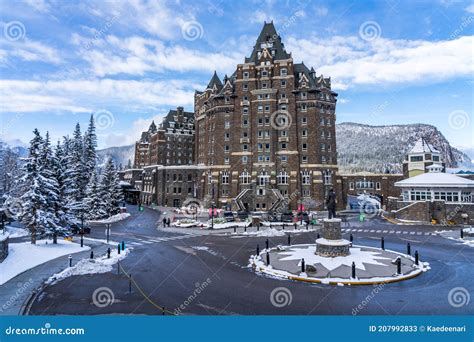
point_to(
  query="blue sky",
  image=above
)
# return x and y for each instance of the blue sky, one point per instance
(392, 62)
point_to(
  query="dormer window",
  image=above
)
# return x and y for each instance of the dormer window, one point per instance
(264, 73)
(246, 75)
(283, 72)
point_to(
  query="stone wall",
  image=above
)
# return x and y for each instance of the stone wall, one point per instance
(3, 246)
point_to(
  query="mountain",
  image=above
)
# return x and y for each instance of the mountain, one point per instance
(120, 155)
(383, 148)
(16, 146)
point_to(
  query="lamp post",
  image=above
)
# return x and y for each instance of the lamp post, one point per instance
(108, 231)
(212, 215)
(82, 229)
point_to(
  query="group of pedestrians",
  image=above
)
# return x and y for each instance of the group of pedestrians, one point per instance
(166, 222)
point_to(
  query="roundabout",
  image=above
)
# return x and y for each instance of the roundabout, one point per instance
(333, 260)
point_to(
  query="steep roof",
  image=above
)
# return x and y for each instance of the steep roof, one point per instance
(436, 180)
(170, 118)
(422, 146)
(269, 38)
(215, 81)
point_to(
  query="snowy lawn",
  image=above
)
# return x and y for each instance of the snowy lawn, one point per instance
(17, 232)
(24, 256)
(111, 219)
(90, 266)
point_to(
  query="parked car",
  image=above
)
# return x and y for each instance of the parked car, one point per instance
(229, 216)
(287, 217)
(303, 217)
(76, 228)
(242, 215)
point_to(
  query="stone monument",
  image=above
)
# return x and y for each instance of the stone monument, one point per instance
(331, 244)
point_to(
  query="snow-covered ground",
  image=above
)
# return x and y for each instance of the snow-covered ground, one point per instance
(111, 219)
(17, 232)
(455, 235)
(266, 232)
(90, 266)
(24, 256)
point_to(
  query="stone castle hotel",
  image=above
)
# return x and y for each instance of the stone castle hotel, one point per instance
(262, 138)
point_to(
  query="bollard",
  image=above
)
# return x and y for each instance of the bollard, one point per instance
(163, 311)
(270, 226)
(118, 248)
(353, 270)
(351, 238)
(92, 254)
(82, 240)
(268, 258)
(289, 240)
(266, 244)
(130, 284)
(399, 266)
(118, 267)
(123, 245)
(258, 227)
(417, 258)
(258, 250)
(408, 249)
(302, 266)
(462, 233)
(70, 260)
(295, 225)
(108, 253)
(382, 243)
(283, 226)
(245, 229)
(318, 236)
(235, 229)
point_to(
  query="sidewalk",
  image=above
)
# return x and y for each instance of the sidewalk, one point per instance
(17, 290)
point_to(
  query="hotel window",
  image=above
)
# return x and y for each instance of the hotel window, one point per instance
(304, 133)
(267, 96)
(283, 107)
(305, 178)
(226, 136)
(267, 120)
(304, 107)
(245, 177)
(245, 147)
(436, 158)
(227, 124)
(305, 146)
(259, 97)
(264, 85)
(245, 98)
(304, 95)
(246, 75)
(323, 147)
(323, 134)
(282, 178)
(323, 160)
(225, 192)
(260, 121)
(304, 120)
(226, 148)
(284, 159)
(283, 84)
(282, 96)
(260, 147)
(283, 133)
(264, 73)
(306, 193)
(304, 159)
(261, 192)
(260, 134)
(329, 148)
(327, 177)
(260, 108)
(226, 160)
(283, 146)
(377, 186)
(351, 186)
(263, 178)
(245, 159)
(283, 72)
(260, 159)
(225, 177)
(209, 177)
(245, 87)
(267, 147)
(245, 110)
(267, 109)
(416, 158)
(245, 123)
(226, 100)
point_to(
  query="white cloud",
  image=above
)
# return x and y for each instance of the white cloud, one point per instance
(470, 8)
(351, 61)
(28, 51)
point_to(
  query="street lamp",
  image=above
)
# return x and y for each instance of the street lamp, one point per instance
(212, 215)
(82, 229)
(108, 231)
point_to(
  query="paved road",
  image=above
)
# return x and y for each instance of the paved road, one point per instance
(169, 271)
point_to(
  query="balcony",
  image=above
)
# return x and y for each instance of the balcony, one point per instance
(244, 140)
(280, 101)
(283, 139)
(245, 103)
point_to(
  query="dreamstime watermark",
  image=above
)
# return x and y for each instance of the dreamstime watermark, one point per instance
(14, 207)
(370, 31)
(369, 210)
(366, 301)
(281, 297)
(22, 287)
(14, 31)
(192, 207)
(104, 119)
(102, 297)
(99, 35)
(46, 330)
(192, 30)
(280, 120)
(458, 297)
(200, 287)
(464, 23)
(458, 120)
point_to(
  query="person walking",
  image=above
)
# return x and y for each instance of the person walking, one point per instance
(168, 222)
(164, 222)
(331, 204)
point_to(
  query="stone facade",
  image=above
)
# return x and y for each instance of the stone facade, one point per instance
(331, 244)
(269, 126)
(380, 185)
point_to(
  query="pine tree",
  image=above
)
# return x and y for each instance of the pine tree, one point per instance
(93, 202)
(111, 193)
(90, 154)
(74, 181)
(34, 214)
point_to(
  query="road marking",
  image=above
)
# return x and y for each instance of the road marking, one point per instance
(412, 233)
(398, 231)
(372, 231)
(419, 233)
(378, 231)
(385, 231)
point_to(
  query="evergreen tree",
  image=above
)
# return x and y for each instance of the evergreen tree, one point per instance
(35, 215)
(111, 193)
(90, 154)
(93, 202)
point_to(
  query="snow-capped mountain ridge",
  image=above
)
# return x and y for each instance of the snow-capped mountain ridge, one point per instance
(364, 147)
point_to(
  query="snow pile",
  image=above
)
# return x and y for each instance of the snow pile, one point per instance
(90, 266)
(17, 232)
(267, 232)
(4, 236)
(111, 219)
(24, 256)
